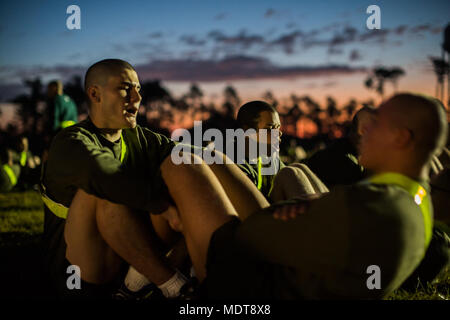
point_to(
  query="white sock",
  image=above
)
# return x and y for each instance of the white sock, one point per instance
(134, 280)
(192, 273)
(171, 288)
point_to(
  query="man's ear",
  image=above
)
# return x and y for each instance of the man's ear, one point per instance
(403, 137)
(94, 94)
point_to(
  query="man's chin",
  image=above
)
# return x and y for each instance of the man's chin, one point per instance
(130, 123)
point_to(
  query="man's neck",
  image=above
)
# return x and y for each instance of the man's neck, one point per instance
(110, 134)
(413, 172)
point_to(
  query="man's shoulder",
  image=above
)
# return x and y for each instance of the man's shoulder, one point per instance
(151, 136)
(376, 192)
(149, 131)
(63, 99)
(83, 130)
(382, 202)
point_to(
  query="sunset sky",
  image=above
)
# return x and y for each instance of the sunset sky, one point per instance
(318, 48)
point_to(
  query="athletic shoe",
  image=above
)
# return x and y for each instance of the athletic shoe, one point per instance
(148, 292)
(190, 290)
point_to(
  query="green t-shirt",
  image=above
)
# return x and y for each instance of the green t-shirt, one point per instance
(325, 252)
(81, 158)
(251, 170)
(64, 109)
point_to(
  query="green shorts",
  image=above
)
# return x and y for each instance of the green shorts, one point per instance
(233, 273)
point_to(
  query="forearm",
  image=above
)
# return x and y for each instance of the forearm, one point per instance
(310, 237)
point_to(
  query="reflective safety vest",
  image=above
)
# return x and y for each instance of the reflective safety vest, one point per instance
(417, 192)
(260, 178)
(23, 158)
(67, 123)
(259, 186)
(60, 210)
(10, 173)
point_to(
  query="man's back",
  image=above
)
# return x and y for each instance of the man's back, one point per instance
(326, 252)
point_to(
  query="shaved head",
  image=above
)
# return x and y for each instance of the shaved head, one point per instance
(249, 113)
(112, 89)
(54, 87)
(55, 83)
(424, 117)
(407, 131)
(99, 72)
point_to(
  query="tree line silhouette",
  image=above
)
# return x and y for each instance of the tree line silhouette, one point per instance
(303, 118)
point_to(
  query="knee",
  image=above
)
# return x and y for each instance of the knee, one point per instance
(105, 206)
(83, 202)
(174, 170)
(303, 167)
(183, 159)
(290, 171)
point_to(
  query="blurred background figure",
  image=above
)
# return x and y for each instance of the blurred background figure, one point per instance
(9, 172)
(338, 163)
(20, 169)
(61, 113)
(29, 163)
(62, 110)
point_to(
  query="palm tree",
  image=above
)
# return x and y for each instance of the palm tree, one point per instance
(441, 68)
(378, 77)
(75, 90)
(294, 113)
(232, 100)
(446, 50)
(269, 97)
(152, 91)
(332, 109)
(154, 95)
(395, 73)
(350, 108)
(195, 94)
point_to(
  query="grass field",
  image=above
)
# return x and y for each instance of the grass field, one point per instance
(21, 272)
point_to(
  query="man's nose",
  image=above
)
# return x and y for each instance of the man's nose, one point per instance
(135, 95)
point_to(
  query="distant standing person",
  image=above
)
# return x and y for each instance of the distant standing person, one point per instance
(62, 109)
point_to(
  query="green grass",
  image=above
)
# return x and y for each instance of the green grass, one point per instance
(21, 228)
(21, 219)
(438, 290)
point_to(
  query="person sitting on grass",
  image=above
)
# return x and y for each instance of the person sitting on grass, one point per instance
(259, 115)
(9, 170)
(338, 163)
(99, 183)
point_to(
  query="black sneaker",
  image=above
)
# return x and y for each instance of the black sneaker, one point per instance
(189, 291)
(149, 292)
